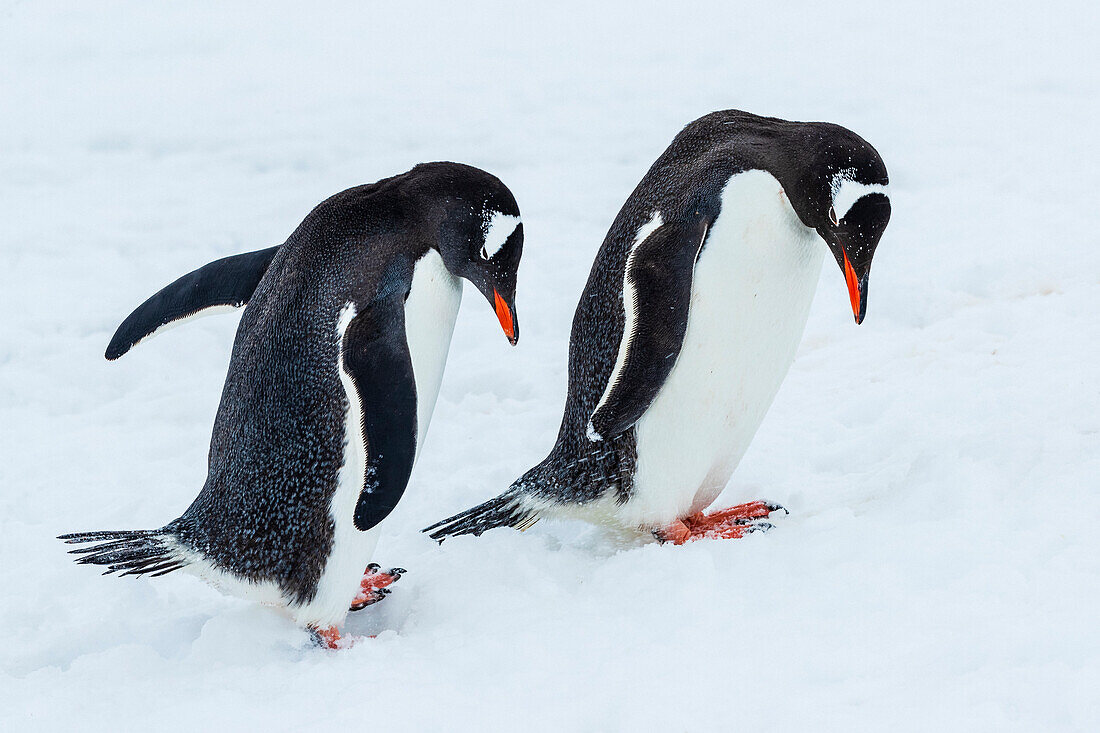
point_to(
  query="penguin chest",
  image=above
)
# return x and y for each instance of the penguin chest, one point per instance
(753, 284)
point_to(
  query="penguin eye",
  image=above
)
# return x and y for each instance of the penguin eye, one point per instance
(484, 254)
(832, 216)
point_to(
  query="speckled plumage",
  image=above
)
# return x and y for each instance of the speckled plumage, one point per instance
(264, 514)
(673, 209)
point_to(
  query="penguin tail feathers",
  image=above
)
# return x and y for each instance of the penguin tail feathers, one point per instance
(507, 510)
(128, 552)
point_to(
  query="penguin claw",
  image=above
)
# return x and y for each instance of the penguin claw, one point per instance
(731, 523)
(368, 599)
(375, 577)
(372, 588)
(751, 510)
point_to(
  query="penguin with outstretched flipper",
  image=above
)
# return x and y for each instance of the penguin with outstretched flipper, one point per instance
(334, 375)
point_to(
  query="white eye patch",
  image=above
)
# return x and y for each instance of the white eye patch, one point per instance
(846, 192)
(500, 227)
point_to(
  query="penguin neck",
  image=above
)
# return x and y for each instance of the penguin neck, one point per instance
(784, 163)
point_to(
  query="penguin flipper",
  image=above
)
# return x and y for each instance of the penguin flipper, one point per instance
(228, 282)
(375, 355)
(656, 294)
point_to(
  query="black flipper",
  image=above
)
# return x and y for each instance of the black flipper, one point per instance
(660, 269)
(375, 355)
(227, 282)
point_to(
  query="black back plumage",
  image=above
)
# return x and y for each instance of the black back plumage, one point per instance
(684, 184)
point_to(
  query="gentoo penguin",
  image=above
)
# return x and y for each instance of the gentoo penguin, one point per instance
(690, 320)
(334, 375)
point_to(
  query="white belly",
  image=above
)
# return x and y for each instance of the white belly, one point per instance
(430, 313)
(750, 299)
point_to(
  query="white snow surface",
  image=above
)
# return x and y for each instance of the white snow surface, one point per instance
(940, 568)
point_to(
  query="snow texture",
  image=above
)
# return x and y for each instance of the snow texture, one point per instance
(940, 568)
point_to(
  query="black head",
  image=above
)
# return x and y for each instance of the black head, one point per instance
(842, 193)
(480, 235)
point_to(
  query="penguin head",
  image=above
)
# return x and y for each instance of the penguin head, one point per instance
(481, 238)
(843, 195)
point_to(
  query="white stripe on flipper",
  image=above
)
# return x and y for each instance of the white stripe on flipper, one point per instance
(630, 309)
(351, 548)
(498, 230)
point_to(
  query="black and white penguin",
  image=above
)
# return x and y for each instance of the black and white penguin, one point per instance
(334, 375)
(690, 320)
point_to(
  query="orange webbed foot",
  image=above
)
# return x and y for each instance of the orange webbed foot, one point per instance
(329, 637)
(677, 533)
(372, 588)
(732, 523)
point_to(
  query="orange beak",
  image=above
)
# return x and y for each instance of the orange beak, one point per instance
(504, 315)
(853, 286)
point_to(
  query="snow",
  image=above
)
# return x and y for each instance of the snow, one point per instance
(940, 568)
